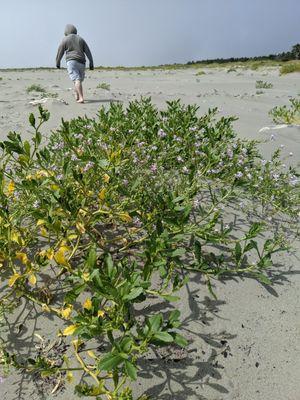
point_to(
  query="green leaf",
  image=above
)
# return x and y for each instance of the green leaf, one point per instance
(262, 278)
(32, 120)
(27, 147)
(178, 252)
(110, 362)
(255, 229)
(180, 340)
(238, 252)
(198, 251)
(155, 322)
(169, 297)
(164, 337)
(92, 257)
(134, 293)
(174, 316)
(110, 265)
(131, 370)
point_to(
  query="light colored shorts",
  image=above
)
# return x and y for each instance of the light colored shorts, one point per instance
(76, 70)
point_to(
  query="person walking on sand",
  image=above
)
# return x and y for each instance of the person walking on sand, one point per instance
(76, 49)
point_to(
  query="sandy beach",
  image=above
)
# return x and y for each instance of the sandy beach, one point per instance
(246, 344)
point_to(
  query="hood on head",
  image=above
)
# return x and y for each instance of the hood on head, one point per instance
(70, 29)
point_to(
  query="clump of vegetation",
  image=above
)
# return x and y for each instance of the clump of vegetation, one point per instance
(263, 85)
(115, 211)
(50, 95)
(285, 114)
(290, 67)
(260, 92)
(35, 88)
(104, 86)
(201, 72)
(231, 69)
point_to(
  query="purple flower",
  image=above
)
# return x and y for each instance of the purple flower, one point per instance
(161, 133)
(179, 159)
(185, 170)
(153, 168)
(239, 174)
(229, 153)
(78, 136)
(74, 157)
(59, 177)
(88, 166)
(125, 182)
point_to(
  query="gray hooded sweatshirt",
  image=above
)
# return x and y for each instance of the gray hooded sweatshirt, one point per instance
(74, 46)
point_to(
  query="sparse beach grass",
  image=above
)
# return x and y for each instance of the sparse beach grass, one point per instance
(263, 85)
(290, 67)
(35, 87)
(103, 85)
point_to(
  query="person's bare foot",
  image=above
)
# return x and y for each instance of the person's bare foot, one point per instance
(80, 101)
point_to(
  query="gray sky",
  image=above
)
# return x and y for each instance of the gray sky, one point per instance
(147, 32)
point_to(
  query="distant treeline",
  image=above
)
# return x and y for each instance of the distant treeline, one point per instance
(294, 54)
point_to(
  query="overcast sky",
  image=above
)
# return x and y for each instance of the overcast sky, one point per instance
(147, 32)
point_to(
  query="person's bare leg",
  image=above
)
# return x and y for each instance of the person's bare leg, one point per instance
(76, 94)
(79, 91)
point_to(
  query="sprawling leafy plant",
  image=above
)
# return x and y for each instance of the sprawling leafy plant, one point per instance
(285, 114)
(120, 209)
(263, 85)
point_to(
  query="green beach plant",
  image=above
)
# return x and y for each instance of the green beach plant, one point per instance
(285, 114)
(263, 85)
(117, 210)
(200, 72)
(35, 88)
(290, 67)
(104, 86)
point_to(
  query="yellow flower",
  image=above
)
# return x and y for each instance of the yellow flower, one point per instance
(11, 188)
(32, 279)
(66, 312)
(106, 178)
(42, 174)
(69, 377)
(88, 304)
(60, 256)
(44, 231)
(22, 257)
(101, 313)
(102, 194)
(70, 330)
(86, 276)
(13, 279)
(54, 187)
(125, 217)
